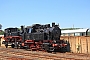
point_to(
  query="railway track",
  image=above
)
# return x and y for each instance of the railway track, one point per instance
(20, 54)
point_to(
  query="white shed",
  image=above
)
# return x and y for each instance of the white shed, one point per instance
(77, 32)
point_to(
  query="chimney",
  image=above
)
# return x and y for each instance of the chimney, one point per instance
(53, 24)
(22, 28)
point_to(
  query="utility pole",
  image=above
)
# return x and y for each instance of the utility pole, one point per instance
(73, 25)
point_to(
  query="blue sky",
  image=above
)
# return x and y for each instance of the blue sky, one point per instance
(14, 13)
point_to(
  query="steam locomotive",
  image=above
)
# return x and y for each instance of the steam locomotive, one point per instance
(36, 37)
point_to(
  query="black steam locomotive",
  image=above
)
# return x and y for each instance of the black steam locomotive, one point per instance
(36, 37)
(12, 37)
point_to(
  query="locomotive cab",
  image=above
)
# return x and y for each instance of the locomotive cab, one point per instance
(11, 32)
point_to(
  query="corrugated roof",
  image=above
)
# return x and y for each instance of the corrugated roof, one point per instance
(74, 31)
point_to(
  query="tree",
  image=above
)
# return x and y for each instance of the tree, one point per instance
(1, 33)
(0, 26)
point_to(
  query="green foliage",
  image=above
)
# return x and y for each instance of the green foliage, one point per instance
(1, 33)
(19, 28)
(88, 33)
